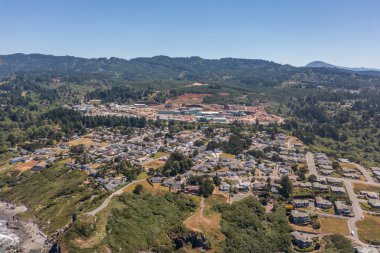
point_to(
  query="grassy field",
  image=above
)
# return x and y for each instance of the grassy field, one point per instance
(53, 196)
(369, 229)
(330, 225)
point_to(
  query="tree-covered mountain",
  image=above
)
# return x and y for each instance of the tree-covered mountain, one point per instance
(321, 64)
(228, 71)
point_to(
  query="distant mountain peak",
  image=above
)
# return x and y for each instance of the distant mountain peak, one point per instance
(322, 64)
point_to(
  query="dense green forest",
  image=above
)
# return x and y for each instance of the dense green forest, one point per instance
(242, 72)
(342, 124)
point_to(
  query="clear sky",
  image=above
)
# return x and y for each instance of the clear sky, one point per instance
(342, 32)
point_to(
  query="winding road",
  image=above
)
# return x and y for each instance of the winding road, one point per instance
(108, 199)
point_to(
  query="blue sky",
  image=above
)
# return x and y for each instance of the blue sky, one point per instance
(342, 32)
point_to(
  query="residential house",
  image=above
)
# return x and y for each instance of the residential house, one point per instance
(338, 190)
(334, 181)
(258, 186)
(322, 203)
(225, 187)
(192, 189)
(300, 203)
(299, 217)
(300, 240)
(341, 208)
(39, 166)
(306, 185)
(370, 195)
(326, 172)
(156, 180)
(320, 187)
(375, 203)
(365, 249)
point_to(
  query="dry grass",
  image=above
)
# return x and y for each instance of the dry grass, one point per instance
(331, 225)
(348, 165)
(160, 154)
(25, 166)
(214, 200)
(154, 164)
(207, 222)
(365, 187)
(188, 99)
(86, 141)
(305, 229)
(151, 188)
(225, 155)
(369, 229)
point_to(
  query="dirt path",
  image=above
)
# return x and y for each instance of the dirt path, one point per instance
(207, 224)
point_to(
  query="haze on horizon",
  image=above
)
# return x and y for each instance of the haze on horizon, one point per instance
(292, 32)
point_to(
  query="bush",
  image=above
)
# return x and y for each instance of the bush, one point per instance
(138, 189)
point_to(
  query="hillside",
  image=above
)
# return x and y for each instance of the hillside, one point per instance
(321, 64)
(227, 71)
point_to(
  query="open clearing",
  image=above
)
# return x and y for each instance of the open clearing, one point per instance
(160, 154)
(225, 155)
(154, 164)
(26, 166)
(206, 221)
(331, 225)
(87, 142)
(348, 165)
(188, 99)
(365, 187)
(147, 187)
(369, 229)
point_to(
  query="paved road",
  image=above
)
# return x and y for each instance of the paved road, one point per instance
(357, 210)
(366, 173)
(311, 164)
(108, 199)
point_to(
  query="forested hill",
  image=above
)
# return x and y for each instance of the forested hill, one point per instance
(244, 72)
